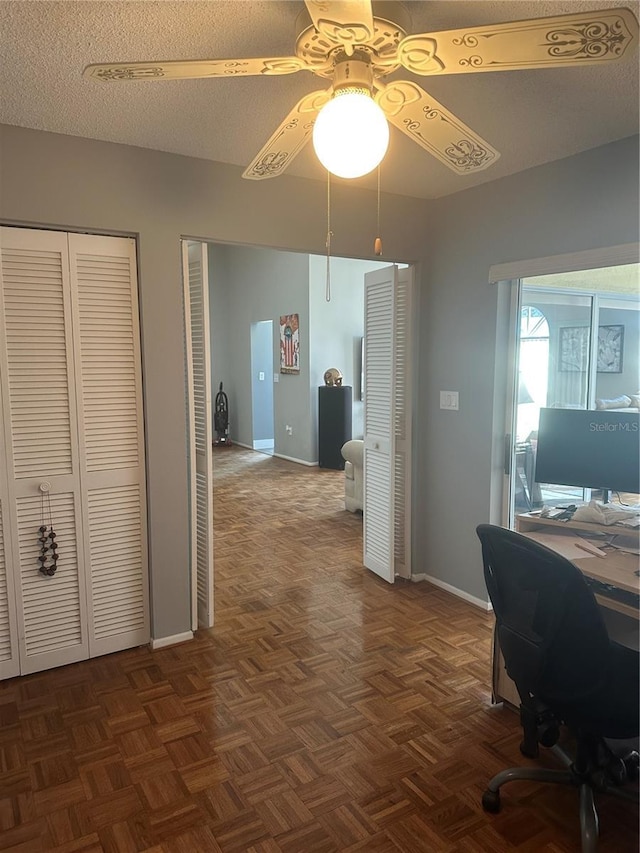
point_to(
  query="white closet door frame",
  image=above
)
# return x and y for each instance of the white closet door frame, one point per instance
(195, 279)
(106, 335)
(388, 385)
(51, 611)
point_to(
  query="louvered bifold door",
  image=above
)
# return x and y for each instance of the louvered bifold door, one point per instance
(402, 416)
(196, 293)
(9, 657)
(107, 344)
(43, 486)
(379, 439)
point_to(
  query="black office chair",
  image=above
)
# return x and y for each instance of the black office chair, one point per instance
(566, 669)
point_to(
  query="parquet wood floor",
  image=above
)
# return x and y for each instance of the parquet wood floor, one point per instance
(325, 711)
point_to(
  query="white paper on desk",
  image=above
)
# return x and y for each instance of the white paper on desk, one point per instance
(563, 543)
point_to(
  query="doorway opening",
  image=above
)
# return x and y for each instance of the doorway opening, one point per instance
(275, 411)
(262, 386)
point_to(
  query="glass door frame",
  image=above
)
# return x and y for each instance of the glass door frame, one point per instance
(518, 287)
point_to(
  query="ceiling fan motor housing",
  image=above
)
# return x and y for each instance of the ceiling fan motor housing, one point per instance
(320, 50)
(354, 72)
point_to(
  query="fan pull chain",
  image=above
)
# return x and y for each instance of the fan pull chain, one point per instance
(377, 246)
(328, 240)
(48, 557)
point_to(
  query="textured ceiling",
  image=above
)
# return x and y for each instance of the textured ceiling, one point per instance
(531, 117)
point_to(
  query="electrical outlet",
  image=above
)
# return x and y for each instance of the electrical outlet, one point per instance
(288, 429)
(449, 400)
(261, 376)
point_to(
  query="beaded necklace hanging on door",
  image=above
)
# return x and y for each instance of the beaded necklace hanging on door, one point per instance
(48, 557)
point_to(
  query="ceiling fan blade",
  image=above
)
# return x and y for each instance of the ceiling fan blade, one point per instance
(578, 39)
(433, 127)
(288, 139)
(347, 22)
(193, 68)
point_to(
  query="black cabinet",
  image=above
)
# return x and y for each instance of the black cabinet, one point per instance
(334, 424)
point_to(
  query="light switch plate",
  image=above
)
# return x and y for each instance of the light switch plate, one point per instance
(449, 400)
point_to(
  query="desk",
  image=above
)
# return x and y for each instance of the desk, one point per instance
(617, 569)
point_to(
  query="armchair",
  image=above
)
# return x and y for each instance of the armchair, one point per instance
(566, 669)
(353, 452)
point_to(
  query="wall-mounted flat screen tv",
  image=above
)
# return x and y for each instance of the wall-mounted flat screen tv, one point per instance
(589, 449)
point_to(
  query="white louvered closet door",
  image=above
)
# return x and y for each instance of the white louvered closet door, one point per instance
(111, 440)
(72, 416)
(9, 656)
(196, 300)
(379, 444)
(402, 418)
(40, 416)
(387, 422)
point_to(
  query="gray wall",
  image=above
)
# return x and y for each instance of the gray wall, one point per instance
(218, 330)
(251, 284)
(337, 327)
(50, 180)
(583, 202)
(263, 284)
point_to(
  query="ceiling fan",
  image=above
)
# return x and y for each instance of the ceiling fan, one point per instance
(356, 50)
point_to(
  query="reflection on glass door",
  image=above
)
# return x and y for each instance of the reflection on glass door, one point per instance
(577, 347)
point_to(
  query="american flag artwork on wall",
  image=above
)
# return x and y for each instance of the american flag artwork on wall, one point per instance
(289, 344)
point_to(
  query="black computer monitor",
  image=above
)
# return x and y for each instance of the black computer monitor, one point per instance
(589, 449)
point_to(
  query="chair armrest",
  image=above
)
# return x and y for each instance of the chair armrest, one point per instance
(353, 451)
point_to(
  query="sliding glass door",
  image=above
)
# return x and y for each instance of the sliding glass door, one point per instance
(576, 347)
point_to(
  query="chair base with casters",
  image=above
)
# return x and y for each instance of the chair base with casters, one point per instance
(567, 671)
(595, 769)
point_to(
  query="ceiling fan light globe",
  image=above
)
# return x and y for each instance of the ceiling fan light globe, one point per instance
(350, 135)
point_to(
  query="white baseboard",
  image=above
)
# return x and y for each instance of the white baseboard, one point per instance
(161, 642)
(299, 461)
(263, 444)
(281, 456)
(472, 599)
